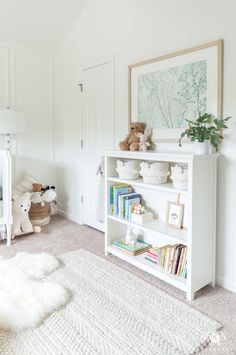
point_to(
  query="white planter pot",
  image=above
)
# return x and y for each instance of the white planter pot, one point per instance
(201, 148)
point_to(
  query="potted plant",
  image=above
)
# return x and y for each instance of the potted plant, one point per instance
(204, 131)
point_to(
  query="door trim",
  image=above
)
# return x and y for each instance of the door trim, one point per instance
(102, 61)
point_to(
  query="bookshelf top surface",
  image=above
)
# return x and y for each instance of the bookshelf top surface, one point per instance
(153, 155)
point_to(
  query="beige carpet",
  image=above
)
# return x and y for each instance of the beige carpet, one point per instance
(62, 236)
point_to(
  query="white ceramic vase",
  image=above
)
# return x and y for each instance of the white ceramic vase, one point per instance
(201, 148)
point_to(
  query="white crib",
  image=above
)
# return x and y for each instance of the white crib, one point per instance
(5, 198)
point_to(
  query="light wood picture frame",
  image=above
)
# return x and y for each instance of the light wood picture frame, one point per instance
(174, 215)
(158, 94)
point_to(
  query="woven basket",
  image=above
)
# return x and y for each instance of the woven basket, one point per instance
(39, 213)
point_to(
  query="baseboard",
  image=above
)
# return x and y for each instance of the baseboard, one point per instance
(226, 284)
(69, 216)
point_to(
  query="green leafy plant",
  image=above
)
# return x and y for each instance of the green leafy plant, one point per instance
(206, 127)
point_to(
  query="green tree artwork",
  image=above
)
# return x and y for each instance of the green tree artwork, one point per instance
(166, 98)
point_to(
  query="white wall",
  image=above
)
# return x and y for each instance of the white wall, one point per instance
(135, 30)
(26, 84)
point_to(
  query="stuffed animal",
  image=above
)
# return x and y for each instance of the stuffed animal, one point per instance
(24, 186)
(50, 194)
(131, 142)
(20, 212)
(145, 139)
(37, 194)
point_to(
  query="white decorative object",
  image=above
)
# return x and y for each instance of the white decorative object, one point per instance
(154, 173)
(117, 305)
(128, 169)
(141, 218)
(139, 209)
(199, 232)
(179, 176)
(133, 235)
(25, 297)
(201, 148)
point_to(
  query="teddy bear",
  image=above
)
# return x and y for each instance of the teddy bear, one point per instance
(131, 142)
(20, 212)
(145, 141)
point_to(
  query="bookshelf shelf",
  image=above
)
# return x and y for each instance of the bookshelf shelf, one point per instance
(139, 182)
(140, 262)
(155, 226)
(199, 234)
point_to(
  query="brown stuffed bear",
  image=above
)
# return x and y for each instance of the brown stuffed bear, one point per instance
(131, 142)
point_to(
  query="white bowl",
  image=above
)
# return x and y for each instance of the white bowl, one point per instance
(128, 169)
(155, 180)
(128, 174)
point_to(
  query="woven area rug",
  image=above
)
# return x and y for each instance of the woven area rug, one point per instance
(112, 311)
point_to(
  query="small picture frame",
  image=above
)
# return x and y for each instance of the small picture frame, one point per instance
(174, 216)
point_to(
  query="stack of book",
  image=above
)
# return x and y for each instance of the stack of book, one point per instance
(152, 255)
(123, 201)
(173, 258)
(136, 249)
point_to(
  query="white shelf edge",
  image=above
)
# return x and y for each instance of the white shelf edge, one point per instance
(159, 230)
(168, 187)
(140, 262)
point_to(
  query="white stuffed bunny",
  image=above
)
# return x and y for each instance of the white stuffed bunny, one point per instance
(145, 139)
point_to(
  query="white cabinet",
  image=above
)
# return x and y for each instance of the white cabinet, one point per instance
(199, 230)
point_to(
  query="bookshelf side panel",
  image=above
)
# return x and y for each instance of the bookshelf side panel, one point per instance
(203, 222)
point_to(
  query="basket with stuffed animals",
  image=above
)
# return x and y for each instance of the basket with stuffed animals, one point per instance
(41, 204)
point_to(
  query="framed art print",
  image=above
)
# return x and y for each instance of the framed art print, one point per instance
(165, 91)
(174, 216)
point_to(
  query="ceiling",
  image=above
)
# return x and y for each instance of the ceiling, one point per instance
(38, 24)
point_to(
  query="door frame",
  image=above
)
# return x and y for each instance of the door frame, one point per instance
(96, 63)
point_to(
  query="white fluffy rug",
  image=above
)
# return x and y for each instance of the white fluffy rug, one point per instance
(112, 311)
(25, 298)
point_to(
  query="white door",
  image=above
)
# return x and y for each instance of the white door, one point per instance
(98, 135)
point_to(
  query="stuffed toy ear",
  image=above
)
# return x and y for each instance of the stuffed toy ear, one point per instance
(148, 132)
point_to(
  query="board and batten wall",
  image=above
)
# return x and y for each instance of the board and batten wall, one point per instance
(26, 84)
(135, 30)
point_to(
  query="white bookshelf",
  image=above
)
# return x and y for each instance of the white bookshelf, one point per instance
(199, 229)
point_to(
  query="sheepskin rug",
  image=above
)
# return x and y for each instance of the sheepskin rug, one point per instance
(25, 297)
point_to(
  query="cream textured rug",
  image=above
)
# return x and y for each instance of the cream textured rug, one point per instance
(112, 311)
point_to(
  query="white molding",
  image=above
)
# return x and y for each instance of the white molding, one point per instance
(7, 92)
(225, 283)
(96, 62)
(69, 216)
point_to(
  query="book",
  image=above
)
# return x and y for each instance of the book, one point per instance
(151, 257)
(172, 258)
(116, 191)
(137, 248)
(131, 200)
(123, 206)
